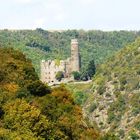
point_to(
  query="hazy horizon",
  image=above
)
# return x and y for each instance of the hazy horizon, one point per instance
(102, 15)
(62, 30)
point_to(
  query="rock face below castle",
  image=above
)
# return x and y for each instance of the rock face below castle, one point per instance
(50, 68)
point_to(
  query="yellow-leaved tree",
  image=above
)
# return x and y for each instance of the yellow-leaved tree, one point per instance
(25, 121)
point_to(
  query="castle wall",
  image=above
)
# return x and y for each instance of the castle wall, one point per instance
(49, 70)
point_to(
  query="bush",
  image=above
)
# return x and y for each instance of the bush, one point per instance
(59, 75)
(23, 92)
(101, 89)
(92, 107)
(111, 117)
(76, 75)
(134, 136)
(122, 133)
(137, 125)
(109, 136)
(80, 97)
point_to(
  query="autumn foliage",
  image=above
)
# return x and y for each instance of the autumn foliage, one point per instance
(30, 110)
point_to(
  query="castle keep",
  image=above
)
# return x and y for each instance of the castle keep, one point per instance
(49, 68)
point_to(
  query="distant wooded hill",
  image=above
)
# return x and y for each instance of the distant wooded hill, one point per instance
(40, 44)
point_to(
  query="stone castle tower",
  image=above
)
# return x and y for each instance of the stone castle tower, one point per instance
(75, 55)
(49, 68)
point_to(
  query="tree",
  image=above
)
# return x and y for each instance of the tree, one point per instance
(59, 75)
(25, 121)
(38, 88)
(76, 75)
(88, 72)
(84, 75)
(60, 108)
(91, 69)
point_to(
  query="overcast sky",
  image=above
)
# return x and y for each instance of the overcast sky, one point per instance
(70, 14)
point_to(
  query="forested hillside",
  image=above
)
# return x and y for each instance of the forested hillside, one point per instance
(30, 110)
(115, 99)
(40, 44)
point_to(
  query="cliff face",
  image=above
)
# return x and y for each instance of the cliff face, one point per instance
(115, 99)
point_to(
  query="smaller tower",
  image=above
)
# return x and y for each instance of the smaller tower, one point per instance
(75, 56)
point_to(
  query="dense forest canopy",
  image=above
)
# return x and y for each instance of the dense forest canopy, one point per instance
(41, 44)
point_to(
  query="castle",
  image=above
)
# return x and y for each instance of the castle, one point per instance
(49, 68)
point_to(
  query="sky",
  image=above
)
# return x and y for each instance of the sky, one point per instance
(70, 14)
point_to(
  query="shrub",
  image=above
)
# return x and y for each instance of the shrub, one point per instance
(80, 97)
(137, 125)
(134, 136)
(121, 133)
(76, 75)
(22, 92)
(92, 107)
(123, 81)
(59, 75)
(109, 136)
(111, 117)
(101, 89)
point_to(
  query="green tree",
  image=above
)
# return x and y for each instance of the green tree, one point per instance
(88, 72)
(59, 75)
(91, 69)
(76, 75)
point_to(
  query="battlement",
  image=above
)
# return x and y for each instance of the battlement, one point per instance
(74, 41)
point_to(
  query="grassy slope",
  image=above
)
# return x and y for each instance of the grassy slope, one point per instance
(79, 91)
(114, 102)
